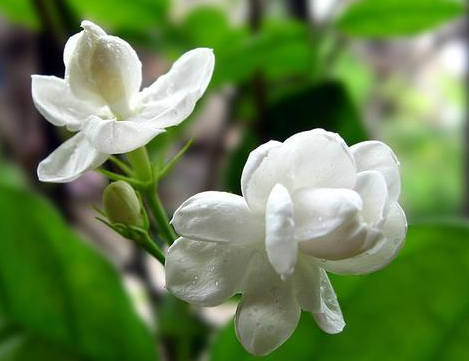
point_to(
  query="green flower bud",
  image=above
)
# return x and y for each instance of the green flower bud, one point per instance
(122, 205)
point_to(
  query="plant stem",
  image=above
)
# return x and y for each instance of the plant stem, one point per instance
(159, 213)
(153, 249)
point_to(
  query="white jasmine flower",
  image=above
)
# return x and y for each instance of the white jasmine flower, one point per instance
(309, 205)
(100, 99)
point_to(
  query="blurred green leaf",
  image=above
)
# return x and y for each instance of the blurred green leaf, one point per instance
(135, 15)
(20, 11)
(280, 49)
(388, 18)
(415, 309)
(58, 291)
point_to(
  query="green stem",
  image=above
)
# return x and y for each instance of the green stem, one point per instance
(153, 249)
(141, 164)
(121, 165)
(167, 231)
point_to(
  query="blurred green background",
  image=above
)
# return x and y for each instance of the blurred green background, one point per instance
(393, 70)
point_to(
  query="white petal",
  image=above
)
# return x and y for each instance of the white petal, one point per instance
(54, 100)
(268, 313)
(319, 159)
(346, 241)
(373, 190)
(394, 230)
(77, 57)
(329, 224)
(70, 160)
(282, 248)
(205, 273)
(320, 211)
(70, 47)
(255, 159)
(330, 318)
(177, 90)
(116, 72)
(374, 155)
(116, 137)
(264, 169)
(307, 280)
(217, 217)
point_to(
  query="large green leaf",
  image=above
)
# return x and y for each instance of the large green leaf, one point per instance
(56, 290)
(388, 18)
(415, 309)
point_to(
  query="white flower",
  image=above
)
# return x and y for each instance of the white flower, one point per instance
(310, 205)
(100, 99)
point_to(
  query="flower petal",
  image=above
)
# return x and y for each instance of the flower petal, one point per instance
(178, 90)
(70, 47)
(217, 217)
(263, 170)
(70, 160)
(205, 273)
(77, 57)
(268, 313)
(320, 211)
(374, 192)
(117, 73)
(281, 246)
(255, 159)
(319, 159)
(394, 230)
(328, 223)
(330, 318)
(374, 155)
(54, 100)
(116, 137)
(307, 280)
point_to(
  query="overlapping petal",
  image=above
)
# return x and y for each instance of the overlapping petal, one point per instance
(374, 155)
(116, 137)
(172, 97)
(117, 73)
(280, 243)
(217, 217)
(327, 222)
(264, 169)
(319, 159)
(268, 313)
(314, 158)
(205, 273)
(254, 161)
(78, 55)
(70, 160)
(307, 282)
(394, 230)
(373, 190)
(54, 100)
(330, 318)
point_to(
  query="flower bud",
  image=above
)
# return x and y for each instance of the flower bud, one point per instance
(122, 205)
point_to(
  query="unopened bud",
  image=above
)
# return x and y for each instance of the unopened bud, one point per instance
(122, 205)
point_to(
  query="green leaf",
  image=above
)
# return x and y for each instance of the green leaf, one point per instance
(388, 18)
(20, 12)
(417, 308)
(58, 291)
(135, 15)
(280, 49)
